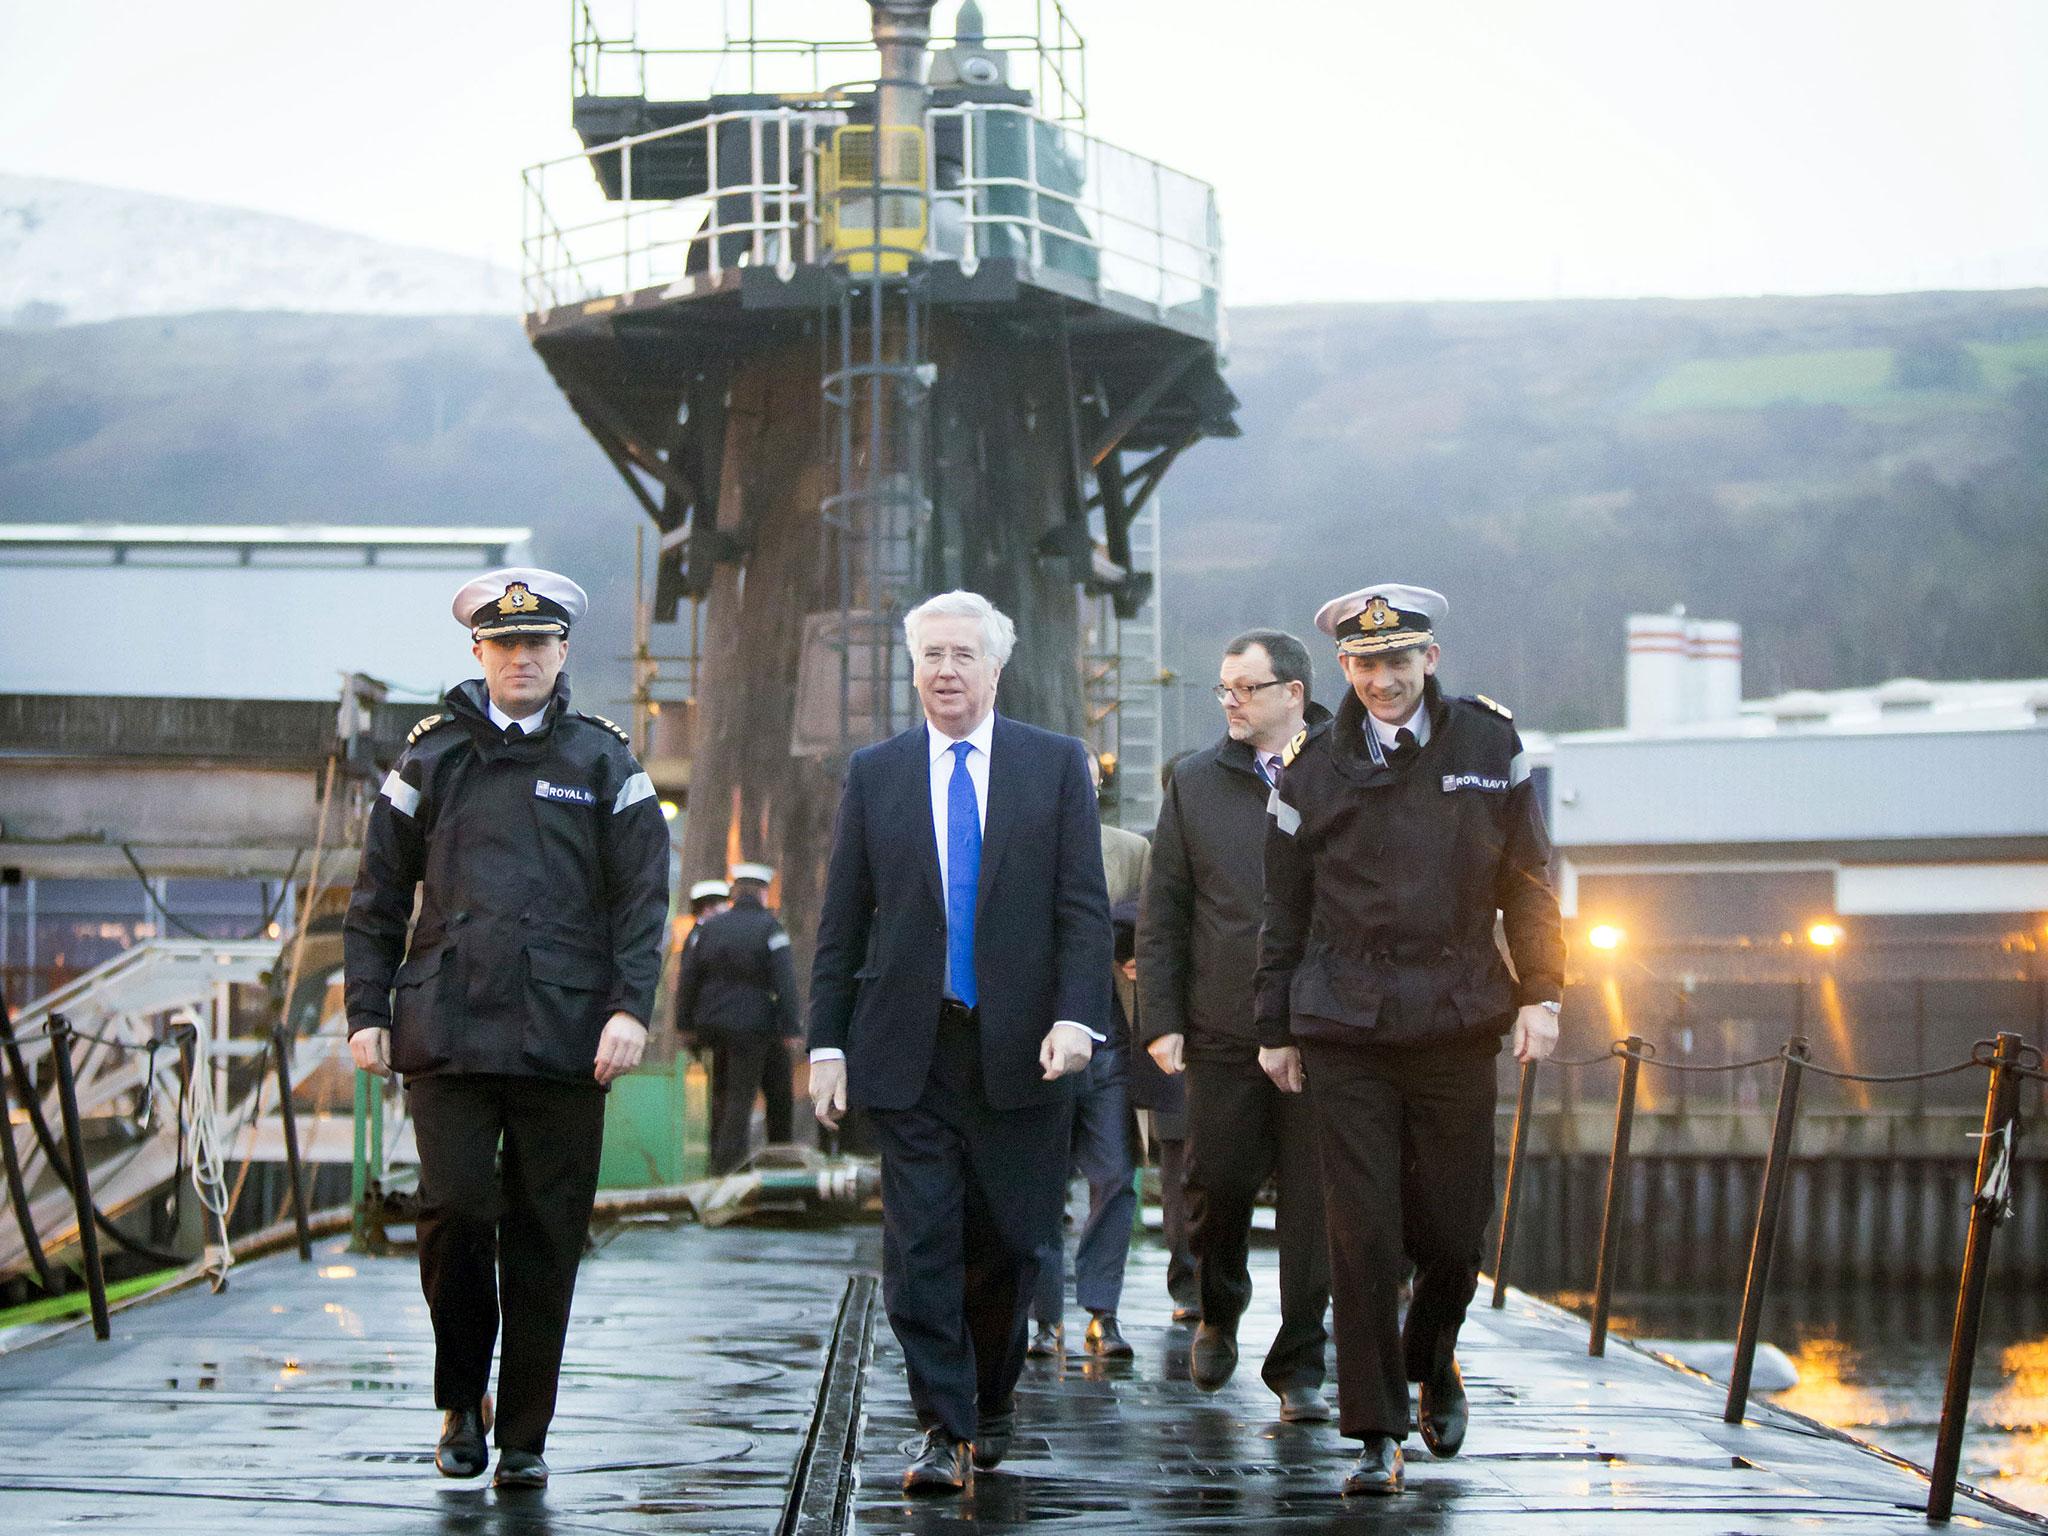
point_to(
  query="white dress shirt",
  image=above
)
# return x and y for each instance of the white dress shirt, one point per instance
(940, 746)
(505, 722)
(1417, 725)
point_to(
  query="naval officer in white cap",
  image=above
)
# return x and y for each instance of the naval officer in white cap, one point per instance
(737, 993)
(1399, 831)
(523, 987)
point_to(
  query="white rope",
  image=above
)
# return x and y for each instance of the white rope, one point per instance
(209, 1166)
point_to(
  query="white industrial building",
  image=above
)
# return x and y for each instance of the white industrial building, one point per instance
(1709, 817)
(169, 696)
(238, 612)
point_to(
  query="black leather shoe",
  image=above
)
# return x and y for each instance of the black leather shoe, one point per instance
(1378, 1468)
(992, 1437)
(1213, 1357)
(1303, 1405)
(520, 1469)
(1106, 1339)
(461, 1450)
(1444, 1411)
(1047, 1340)
(940, 1467)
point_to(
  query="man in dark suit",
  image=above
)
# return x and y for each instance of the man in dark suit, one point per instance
(961, 979)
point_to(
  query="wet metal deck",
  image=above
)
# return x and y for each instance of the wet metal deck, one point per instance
(300, 1400)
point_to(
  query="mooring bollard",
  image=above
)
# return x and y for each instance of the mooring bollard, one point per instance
(81, 1184)
(1617, 1191)
(1770, 1201)
(1525, 1095)
(280, 1050)
(1987, 1209)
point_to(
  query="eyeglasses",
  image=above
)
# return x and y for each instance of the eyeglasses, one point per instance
(1242, 694)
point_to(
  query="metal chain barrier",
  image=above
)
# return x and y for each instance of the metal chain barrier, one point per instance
(2007, 1059)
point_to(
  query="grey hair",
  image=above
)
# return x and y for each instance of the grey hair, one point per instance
(998, 634)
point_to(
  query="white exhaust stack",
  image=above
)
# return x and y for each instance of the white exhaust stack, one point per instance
(1715, 661)
(1656, 670)
(1682, 671)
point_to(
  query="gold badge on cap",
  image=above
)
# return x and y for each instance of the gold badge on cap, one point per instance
(1379, 616)
(518, 599)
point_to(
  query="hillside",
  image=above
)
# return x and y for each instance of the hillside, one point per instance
(1863, 483)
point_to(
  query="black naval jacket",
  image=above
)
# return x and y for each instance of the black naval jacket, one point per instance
(545, 865)
(737, 977)
(1382, 884)
(1198, 929)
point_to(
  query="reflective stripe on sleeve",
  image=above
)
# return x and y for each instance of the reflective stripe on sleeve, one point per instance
(1518, 770)
(403, 797)
(1288, 818)
(777, 941)
(637, 788)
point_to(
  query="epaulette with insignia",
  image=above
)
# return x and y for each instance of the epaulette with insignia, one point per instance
(616, 729)
(1294, 748)
(1499, 709)
(425, 726)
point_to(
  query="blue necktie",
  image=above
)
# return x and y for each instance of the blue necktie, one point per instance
(963, 874)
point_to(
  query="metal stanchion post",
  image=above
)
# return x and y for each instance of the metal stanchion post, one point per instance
(1994, 1181)
(280, 1050)
(1770, 1202)
(359, 1166)
(1617, 1193)
(81, 1184)
(1517, 1139)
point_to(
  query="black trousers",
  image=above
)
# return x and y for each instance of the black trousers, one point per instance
(1241, 1131)
(1407, 1150)
(508, 1173)
(743, 1066)
(970, 1193)
(1181, 1283)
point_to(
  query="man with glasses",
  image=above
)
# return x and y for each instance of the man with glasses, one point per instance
(1197, 951)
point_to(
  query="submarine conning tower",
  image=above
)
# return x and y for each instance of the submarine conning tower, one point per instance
(877, 318)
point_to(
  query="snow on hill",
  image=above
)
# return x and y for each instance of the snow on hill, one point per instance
(72, 254)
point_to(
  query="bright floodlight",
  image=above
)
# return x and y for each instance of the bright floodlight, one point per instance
(1604, 936)
(1824, 935)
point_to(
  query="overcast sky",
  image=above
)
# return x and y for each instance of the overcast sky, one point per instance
(1363, 149)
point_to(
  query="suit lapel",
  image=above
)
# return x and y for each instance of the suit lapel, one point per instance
(1005, 789)
(918, 763)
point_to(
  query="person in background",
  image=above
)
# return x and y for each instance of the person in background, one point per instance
(1197, 950)
(737, 989)
(708, 898)
(1162, 1098)
(1401, 834)
(1102, 1150)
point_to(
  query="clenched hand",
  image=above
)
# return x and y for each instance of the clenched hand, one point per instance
(828, 1091)
(1535, 1033)
(1282, 1063)
(620, 1046)
(1066, 1048)
(372, 1050)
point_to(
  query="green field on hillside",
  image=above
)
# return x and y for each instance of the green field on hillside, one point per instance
(1849, 376)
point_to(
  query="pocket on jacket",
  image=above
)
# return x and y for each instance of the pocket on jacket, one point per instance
(565, 1010)
(417, 1029)
(1485, 995)
(1336, 987)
